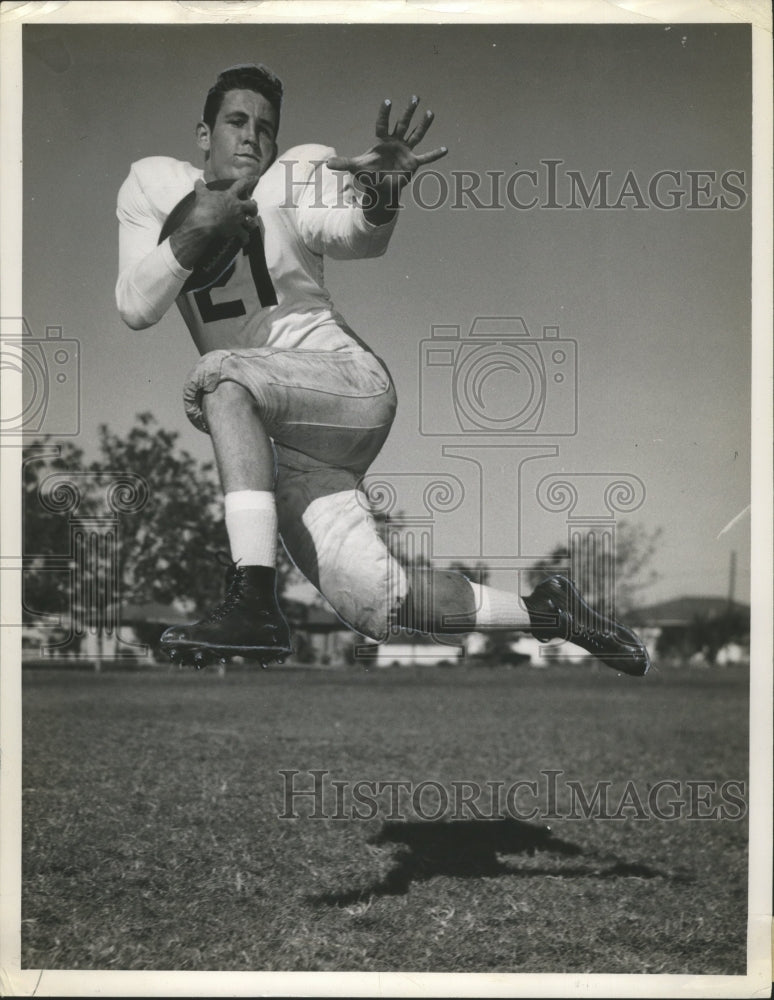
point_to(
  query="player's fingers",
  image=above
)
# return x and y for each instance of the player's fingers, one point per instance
(434, 154)
(405, 120)
(342, 163)
(383, 120)
(417, 134)
(249, 208)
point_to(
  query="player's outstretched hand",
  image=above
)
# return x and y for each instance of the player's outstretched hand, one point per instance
(390, 164)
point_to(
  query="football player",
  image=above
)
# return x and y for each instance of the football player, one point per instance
(297, 406)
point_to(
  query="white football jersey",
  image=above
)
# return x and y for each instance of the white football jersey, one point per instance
(273, 294)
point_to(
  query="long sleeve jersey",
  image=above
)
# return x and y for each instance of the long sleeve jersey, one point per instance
(273, 294)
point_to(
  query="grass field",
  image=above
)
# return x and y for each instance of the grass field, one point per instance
(152, 838)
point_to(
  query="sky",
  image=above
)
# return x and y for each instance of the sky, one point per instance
(652, 304)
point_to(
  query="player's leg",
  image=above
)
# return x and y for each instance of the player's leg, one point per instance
(443, 602)
(243, 449)
(338, 406)
(249, 622)
(329, 533)
(332, 412)
(245, 457)
(331, 536)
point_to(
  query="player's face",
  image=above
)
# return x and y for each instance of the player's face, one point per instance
(241, 143)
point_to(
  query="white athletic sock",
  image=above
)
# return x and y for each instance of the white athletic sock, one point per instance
(498, 608)
(251, 523)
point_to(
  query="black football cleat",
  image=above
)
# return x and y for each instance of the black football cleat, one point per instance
(558, 611)
(247, 623)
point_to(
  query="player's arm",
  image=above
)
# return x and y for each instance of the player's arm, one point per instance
(325, 207)
(389, 165)
(151, 274)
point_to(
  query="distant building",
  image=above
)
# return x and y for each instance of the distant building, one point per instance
(700, 630)
(415, 649)
(733, 654)
(318, 634)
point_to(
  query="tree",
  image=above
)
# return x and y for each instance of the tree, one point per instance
(172, 544)
(168, 548)
(45, 528)
(635, 547)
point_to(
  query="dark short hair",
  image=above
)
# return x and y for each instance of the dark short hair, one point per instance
(244, 77)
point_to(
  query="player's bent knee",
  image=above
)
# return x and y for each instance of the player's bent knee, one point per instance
(228, 395)
(330, 535)
(210, 384)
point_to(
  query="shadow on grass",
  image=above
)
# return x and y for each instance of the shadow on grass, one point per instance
(472, 849)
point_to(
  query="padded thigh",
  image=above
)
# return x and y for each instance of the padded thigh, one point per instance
(333, 406)
(331, 536)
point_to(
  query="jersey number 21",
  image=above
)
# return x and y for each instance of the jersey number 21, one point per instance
(212, 311)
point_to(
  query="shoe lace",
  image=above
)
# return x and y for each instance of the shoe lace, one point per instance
(593, 630)
(596, 637)
(224, 559)
(233, 593)
(226, 606)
